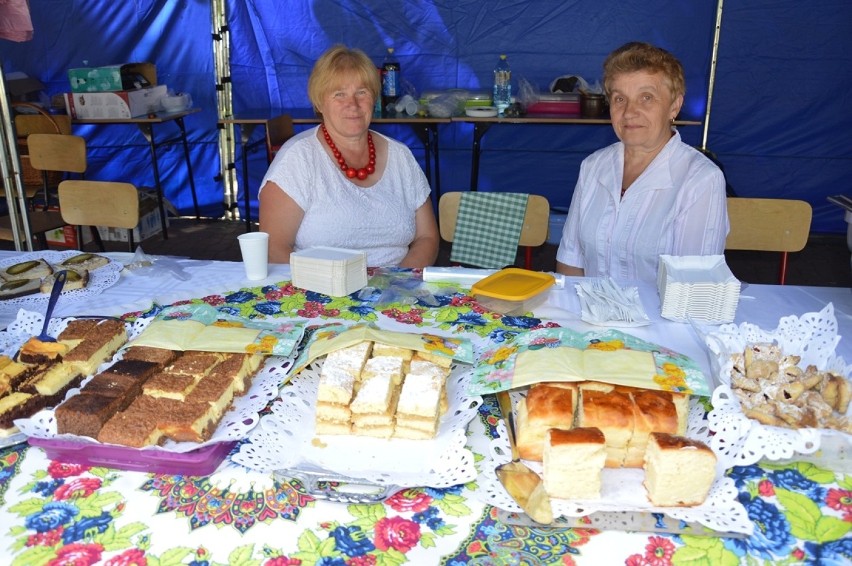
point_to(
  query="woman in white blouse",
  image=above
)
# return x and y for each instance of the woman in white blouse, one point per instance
(650, 193)
(343, 185)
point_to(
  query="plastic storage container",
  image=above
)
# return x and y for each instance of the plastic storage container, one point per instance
(513, 290)
(200, 462)
(502, 94)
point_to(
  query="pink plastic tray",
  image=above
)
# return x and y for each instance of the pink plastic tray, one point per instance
(201, 462)
(554, 107)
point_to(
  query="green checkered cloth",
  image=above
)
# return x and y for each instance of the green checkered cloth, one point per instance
(488, 229)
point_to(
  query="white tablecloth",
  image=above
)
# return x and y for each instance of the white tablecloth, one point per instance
(763, 305)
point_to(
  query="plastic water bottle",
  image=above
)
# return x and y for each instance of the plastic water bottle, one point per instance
(502, 96)
(390, 81)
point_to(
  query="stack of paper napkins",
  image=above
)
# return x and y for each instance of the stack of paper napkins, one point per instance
(335, 272)
(697, 287)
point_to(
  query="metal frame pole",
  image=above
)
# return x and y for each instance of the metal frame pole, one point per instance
(712, 83)
(224, 106)
(10, 168)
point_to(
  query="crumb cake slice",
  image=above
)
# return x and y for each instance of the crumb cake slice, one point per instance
(196, 364)
(34, 351)
(18, 405)
(169, 385)
(160, 356)
(98, 345)
(131, 428)
(85, 414)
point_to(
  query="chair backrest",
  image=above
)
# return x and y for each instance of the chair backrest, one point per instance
(278, 131)
(99, 203)
(57, 152)
(39, 121)
(533, 233)
(768, 224)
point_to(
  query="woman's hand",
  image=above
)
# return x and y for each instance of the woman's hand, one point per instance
(280, 217)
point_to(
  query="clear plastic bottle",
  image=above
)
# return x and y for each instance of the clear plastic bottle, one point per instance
(390, 81)
(502, 95)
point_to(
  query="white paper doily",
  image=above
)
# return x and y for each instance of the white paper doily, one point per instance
(285, 440)
(622, 488)
(99, 279)
(739, 440)
(235, 424)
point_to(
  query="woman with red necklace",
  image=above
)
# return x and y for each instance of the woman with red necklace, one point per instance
(341, 184)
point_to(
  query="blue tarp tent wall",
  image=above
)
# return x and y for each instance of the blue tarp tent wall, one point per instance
(780, 119)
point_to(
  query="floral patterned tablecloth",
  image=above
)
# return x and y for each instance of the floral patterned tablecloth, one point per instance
(57, 513)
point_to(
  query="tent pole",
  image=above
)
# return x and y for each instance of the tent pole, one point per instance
(224, 106)
(10, 169)
(712, 84)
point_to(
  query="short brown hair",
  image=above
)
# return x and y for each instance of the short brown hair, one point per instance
(337, 60)
(638, 56)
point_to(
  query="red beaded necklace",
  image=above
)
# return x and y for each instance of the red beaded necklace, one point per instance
(351, 172)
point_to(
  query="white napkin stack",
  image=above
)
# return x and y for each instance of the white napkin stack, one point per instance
(335, 272)
(698, 287)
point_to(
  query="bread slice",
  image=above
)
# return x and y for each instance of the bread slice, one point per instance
(87, 261)
(573, 461)
(679, 472)
(546, 406)
(32, 269)
(653, 411)
(19, 288)
(611, 412)
(74, 279)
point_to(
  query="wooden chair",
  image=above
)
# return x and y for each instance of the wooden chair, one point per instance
(278, 131)
(36, 120)
(100, 203)
(56, 153)
(533, 233)
(768, 224)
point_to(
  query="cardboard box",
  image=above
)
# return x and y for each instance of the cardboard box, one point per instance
(149, 221)
(66, 237)
(124, 104)
(113, 78)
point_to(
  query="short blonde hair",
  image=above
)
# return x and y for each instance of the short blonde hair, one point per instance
(336, 61)
(638, 56)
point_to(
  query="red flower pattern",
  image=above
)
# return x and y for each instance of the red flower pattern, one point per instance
(62, 470)
(397, 533)
(282, 561)
(765, 488)
(409, 500)
(839, 499)
(131, 557)
(79, 487)
(77, 554)
(659, 551)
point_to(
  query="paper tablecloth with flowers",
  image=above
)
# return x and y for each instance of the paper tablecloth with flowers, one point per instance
(56, 513)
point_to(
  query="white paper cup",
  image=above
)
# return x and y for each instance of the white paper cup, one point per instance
(254, 247)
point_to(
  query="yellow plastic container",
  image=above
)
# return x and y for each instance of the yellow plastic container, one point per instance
(513, 290)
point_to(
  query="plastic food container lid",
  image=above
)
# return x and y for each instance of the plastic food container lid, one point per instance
(481, 111)
(513, 284)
